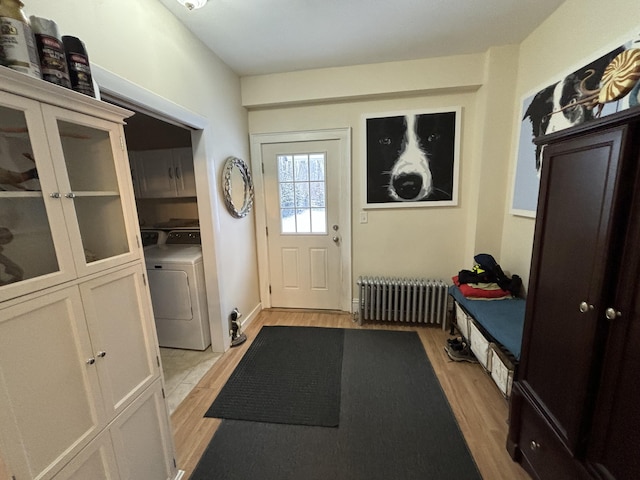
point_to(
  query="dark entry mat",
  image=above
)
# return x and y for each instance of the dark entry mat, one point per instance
(288, 375)
(395, 423)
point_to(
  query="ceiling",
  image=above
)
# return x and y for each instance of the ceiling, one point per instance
(269, 36)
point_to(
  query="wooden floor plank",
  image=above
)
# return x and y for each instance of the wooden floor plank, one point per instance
(478, 405)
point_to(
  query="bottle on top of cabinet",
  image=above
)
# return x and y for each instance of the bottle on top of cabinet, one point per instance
(17, 43)
(53, 62)
(79, 67)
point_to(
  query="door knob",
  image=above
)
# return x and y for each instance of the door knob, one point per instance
(336, 239)
(585, 307)
(612, 313)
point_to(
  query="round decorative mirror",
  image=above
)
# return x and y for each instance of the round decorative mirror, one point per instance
(237, 187)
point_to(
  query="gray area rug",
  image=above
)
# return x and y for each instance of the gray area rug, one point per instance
(395, 423)
(288, 375)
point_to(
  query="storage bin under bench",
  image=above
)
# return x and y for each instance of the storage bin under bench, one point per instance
(493, 330)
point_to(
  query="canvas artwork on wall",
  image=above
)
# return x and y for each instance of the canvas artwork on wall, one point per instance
(412, 158)
(576, 98)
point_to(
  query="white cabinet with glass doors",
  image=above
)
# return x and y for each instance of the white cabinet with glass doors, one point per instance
(80, 381)
(65, 201)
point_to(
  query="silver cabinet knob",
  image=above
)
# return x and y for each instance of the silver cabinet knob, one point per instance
(585, 307)
(91, 361)
(336, 239)
(101, 354)
(55, 195)
(70, 195)
(534, 445)
(612, 313)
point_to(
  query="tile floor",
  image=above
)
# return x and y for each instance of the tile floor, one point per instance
(183, 369)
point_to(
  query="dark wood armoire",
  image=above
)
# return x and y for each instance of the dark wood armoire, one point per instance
(575, 407)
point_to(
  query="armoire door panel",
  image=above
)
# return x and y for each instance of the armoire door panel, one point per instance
(567, 290)
(615, 436)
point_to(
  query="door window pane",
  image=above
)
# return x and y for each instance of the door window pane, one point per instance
(316, 168)
(317, 194)
(285, 168)
(288, 220)
(287, 195)
(26, 245)
(318, 220)
(301, 167)
(302, 195)
(302, 188)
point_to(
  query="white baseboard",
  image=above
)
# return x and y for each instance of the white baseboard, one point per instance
(251, 316)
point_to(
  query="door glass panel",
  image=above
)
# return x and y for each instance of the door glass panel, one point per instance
(285, 168)
(94, 183)
(301, 167)
(316, 168)
(26, 245)
(302, 187)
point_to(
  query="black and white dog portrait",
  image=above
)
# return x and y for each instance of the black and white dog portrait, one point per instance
(411, 158)
(572, 100)
(569, 102)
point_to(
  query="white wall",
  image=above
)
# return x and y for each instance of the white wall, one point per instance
(431, 241)
(142, 42)
(490, 88)
(578, 32)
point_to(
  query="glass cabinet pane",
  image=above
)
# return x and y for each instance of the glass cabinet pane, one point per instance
(26, 244)
(89, 158)
(91, 169)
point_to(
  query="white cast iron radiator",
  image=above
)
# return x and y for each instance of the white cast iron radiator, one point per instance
(402, 300)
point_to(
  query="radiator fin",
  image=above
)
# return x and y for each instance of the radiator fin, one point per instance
(402, 300)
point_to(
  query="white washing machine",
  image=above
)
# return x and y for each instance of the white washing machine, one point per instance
(178, 295)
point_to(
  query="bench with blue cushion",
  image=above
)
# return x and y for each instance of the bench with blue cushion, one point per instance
(503, 319)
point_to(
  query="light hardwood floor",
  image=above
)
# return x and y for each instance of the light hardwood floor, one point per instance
(478, 405)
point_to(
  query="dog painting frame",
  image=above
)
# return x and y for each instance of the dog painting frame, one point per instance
(411, 158)
(555, 107)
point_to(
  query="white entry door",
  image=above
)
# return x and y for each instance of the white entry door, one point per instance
(302, 195)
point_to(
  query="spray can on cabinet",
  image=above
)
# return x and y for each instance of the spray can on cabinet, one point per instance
(78, 63)
(17, 43)
(53, 63)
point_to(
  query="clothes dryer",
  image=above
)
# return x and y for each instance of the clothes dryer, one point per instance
(176, 282)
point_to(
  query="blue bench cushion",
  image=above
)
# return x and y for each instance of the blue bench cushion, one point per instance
(502, 319)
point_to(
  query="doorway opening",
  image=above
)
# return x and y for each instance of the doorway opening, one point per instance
(161, 158)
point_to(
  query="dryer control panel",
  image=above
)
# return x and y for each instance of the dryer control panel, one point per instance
(183, 237)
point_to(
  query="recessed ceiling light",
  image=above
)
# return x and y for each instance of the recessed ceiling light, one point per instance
(192, 4)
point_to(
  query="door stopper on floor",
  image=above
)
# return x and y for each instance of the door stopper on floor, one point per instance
(237, 337)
